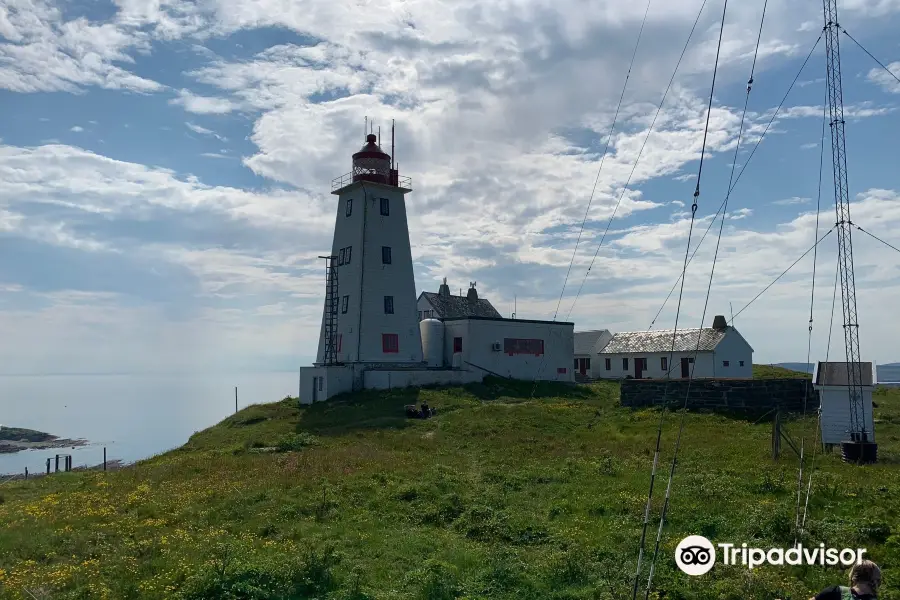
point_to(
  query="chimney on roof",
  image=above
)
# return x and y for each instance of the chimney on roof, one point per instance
(720, 323)
(472, 294)
(444, 290)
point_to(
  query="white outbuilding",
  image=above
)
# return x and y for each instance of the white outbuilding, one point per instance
(515, 348)
(588, 345)
(719, 352)
(832, 382)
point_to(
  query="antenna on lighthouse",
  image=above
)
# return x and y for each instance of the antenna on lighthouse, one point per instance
(366, 127)
(392, 144)
(379, 136)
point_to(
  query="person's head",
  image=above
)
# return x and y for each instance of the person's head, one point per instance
(866, 573)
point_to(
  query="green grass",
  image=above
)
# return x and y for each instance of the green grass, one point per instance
(774, 372)
(501, 495)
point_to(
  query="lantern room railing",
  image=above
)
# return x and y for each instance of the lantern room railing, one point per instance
(348, 178)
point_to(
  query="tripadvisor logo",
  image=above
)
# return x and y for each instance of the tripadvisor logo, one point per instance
(696, 555)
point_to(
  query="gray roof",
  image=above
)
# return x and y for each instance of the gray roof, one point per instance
(835, 373)
(661, 341)
(460, 306)
(585, 341)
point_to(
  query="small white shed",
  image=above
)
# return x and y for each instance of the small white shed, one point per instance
(832, 382)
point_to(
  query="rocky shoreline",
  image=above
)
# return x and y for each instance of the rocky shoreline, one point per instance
(16, 439)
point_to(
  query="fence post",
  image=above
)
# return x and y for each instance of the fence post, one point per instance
(26, 473)
(56, 468)
(48, 466)
(235, 399)
(104, 458)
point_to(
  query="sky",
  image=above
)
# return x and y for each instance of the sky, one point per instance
(166, 167)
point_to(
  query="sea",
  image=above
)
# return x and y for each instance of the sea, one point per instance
(132, 416)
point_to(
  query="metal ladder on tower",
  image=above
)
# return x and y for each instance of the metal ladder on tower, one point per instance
(331, 310)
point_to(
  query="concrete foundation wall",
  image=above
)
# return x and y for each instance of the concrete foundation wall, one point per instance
(384, 380)
(750, 395)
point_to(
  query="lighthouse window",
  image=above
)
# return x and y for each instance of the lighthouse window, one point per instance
(388, 305)
(390, 343)
(347, 257)
(345, 301)
(341, 256)
(349, 206)
(385, 207)
(385, 255)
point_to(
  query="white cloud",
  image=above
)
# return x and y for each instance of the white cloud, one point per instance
(77, 129)
(204, 131)
(791, 201)
(45, 53)
(879, 76)
(203, 105)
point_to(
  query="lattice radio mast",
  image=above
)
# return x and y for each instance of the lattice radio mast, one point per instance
(858, 445)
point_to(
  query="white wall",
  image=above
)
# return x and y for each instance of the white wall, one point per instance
(328, 381)
(479, 334)
(366, 281)
(384, 380)
(734, 349)
(703, 366)
(836, 413)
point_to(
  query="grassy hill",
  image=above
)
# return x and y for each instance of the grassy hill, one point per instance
(776, 372)
(501, 495)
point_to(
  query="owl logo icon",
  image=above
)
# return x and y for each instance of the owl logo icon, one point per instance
(695, 555)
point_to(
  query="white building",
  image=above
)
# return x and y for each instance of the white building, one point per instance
(832, 382)
(515, 348)
(588, 345)
(371, 334)
(722, 353)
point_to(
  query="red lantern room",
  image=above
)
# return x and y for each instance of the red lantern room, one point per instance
(371, 163)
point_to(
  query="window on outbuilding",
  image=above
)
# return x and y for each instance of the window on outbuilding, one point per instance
(625, 363)
(587, 364)
(321, 383)
(385, 207)
(385, 255)
(742, 363)
(345, 302)
(349, 206)
(609, 364)
(388, 305)
(513, 346)
(725, 363)
(390, 343)
(457, 344)
(664, 363)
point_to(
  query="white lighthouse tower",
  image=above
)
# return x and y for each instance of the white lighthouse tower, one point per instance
(375, 300)
(369, 318)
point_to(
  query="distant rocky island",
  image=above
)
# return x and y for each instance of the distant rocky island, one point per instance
(15, 439)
